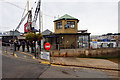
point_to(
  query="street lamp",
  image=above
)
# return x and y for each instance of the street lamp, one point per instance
(13, 41)
(40, 26)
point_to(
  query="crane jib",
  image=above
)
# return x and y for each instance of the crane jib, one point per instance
(37, 11)
(21, 21)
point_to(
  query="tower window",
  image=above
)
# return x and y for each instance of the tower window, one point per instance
(59, 25)
(70, 24)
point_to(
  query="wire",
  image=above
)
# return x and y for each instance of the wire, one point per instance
(50, 16)
(13, 4)
(24, 10)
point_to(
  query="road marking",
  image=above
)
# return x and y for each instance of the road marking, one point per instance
(45, 62)
(20, 59)
(15, 55)
(25, 53)
(33, 57)
(24, 56)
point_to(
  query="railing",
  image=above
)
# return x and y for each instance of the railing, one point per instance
(65, 46)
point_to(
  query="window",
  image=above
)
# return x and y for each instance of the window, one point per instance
(83, 41)
(59, 25)
(70, 24)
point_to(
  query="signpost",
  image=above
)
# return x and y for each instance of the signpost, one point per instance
(47, 46)
(105, 40)
(105, 44)
(45, 55)
(94, 41)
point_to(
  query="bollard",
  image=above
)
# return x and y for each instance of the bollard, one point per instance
(52, 56)
(13, 50)
(6, 47)
(50, 59)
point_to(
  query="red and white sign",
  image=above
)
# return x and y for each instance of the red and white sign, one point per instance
(47, 46)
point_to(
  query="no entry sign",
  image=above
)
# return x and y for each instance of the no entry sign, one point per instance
(47, 46)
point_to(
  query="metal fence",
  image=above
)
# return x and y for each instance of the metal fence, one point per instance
(65, 46)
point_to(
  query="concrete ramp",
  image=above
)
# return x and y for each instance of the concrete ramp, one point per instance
(88, 62)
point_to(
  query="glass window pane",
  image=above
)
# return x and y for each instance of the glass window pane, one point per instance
(70, 24)
(58, 25)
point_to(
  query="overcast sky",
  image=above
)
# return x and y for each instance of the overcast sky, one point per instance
(98, 16)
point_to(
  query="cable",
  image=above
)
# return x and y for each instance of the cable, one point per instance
(24, 11)
(13, 4)
(22, 18)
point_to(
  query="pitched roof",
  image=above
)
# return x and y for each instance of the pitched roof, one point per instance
(67, 17)
(47, 32)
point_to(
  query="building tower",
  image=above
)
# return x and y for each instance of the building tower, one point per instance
(66, 24)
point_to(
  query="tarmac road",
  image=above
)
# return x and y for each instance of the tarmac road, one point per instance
(72, 72)
(13, 68)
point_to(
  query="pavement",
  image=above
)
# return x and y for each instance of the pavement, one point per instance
(86, 62)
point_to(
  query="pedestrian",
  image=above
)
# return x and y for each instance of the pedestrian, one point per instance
(15, 45)
(31, 44)
(101, 45)
(27, 43)
(23, 45)
(11, 42)
(18, 44)
(38, 46)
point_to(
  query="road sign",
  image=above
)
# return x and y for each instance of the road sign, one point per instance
(45, 55)
(105, 40)
(94, 40)
(47, 46)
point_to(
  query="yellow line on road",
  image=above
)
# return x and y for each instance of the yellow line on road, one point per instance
(15, 55)
(19, 58)
(25, 56)
(33, 57)
(25, 53)
(9, 53)
(45, 62)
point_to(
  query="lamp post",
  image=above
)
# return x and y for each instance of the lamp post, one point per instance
(40, 27)
(35, 44)
(13, 42)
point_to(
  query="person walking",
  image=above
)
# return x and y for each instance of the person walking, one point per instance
(15, 45)
(27, 43)
(18, 44)
(31, 44)
(101, 45)
(11, 42)
(23, 45)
